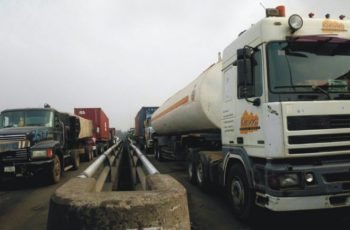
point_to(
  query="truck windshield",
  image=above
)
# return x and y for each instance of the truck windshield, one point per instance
(24, 118)
(318, 66)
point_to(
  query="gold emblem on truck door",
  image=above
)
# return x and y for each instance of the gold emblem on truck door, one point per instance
(249, 123)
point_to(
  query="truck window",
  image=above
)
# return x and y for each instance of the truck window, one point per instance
(254, 90)
(302, 67)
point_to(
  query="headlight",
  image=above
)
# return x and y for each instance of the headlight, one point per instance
(283, 180)
(289, 180)
(295, 22)
(39, 153)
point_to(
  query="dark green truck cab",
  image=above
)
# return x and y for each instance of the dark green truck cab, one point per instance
(40, 141)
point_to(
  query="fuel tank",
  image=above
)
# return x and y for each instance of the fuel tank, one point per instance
(195, 108)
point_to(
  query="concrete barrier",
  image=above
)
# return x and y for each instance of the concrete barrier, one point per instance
(76, 205)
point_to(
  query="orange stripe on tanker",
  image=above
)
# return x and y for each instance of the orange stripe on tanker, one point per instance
(171, 108)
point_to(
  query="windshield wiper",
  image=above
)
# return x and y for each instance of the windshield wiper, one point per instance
(325, 92)
(315, 88)
(34, 124)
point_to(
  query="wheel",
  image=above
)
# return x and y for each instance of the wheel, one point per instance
(55, 172)
(157, 153)
(241, 197)
(191, 171)
(88, 156)
(201, 174)
(76, 160)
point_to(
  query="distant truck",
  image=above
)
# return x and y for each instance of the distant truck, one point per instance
(100, 121)
(42, 141)
(112, 136)
(143, 128)
(270, 122)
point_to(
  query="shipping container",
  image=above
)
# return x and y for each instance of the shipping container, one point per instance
(99, 119)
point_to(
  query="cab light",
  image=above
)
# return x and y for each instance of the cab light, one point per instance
(295, 22)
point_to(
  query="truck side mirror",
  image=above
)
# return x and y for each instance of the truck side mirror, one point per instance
(244, 67)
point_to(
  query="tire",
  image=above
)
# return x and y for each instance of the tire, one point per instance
(55, 171)
(201, 173)
(76, 160)
(157, 153)
(191, 171)
(89, 155)
(240, 196)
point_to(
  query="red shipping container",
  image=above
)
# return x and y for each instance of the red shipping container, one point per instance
(99, 119)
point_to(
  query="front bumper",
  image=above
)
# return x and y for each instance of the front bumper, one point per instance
(281, 204)
(25, 168)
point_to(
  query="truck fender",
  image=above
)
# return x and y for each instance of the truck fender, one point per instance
(238, 155)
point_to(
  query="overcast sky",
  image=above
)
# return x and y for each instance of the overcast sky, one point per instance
(120, 55)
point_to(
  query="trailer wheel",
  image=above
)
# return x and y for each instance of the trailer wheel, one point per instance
(55, 172)
(89, 155)
(191, 171)
(202, 173)
(157, 153)
(241, 197)
(76, 160)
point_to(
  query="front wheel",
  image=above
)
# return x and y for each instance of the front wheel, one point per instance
(55, 172)
(241, 197)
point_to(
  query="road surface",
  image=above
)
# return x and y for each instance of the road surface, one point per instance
(210, 210)
(24, 204)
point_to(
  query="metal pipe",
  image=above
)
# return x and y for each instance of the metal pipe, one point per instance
(150, 169)
(91, 170)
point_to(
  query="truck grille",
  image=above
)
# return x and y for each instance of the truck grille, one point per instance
(19, 154)
(318, 138)
(295, 123)
(317, 143)
(14, 137)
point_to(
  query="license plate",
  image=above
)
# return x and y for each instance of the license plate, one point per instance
(9, 169)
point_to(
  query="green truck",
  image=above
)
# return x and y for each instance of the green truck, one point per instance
(42, 141)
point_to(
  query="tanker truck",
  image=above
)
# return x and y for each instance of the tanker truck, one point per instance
(278, 105)
(42, 142)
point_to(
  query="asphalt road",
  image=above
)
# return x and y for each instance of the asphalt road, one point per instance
(24, 203)
(210, 210)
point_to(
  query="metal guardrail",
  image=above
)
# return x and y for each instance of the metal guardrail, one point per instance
(107, 164)
(141, 166)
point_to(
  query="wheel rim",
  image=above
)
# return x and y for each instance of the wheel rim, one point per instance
(237, 194)
(200, 173)
(57, 170)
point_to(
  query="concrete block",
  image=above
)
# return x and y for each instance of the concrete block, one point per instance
(76, 205)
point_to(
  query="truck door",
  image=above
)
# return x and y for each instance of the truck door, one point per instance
(249, 99)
